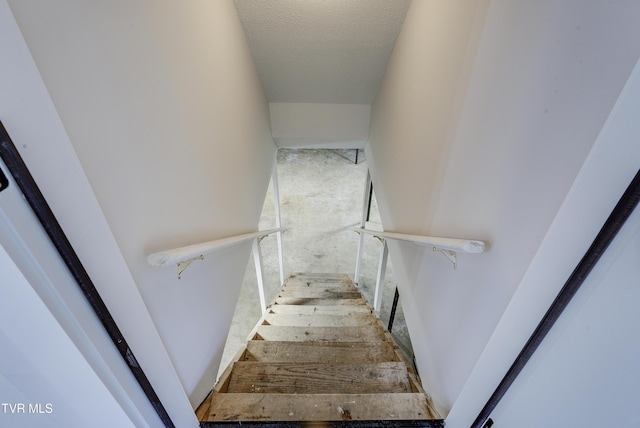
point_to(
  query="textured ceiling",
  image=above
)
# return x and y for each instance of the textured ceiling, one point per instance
(321, 51)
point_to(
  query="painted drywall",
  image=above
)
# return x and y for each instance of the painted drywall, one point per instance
(610, 166)
(168, 118)
(410, 123)
(587, 370)
(31, 120)
(330, 51)
(337, 126)
(482, 121)
(414, 107)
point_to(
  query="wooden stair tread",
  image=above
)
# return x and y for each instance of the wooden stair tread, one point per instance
(318, 277)
(314, 285)
(319, 354)
(317, 301)
(309, 378)
(371, 333)
(319, 320)
(330, 352)
(319, 293)
(318, 407)
(332, 286)
(322, 310)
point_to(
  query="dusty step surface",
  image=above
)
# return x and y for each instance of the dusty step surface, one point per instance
(320, 293)
(327, 286)
(311, 285)
(321, 310)
(319, 320)
(319, 354)
(372, 333)
(317, 378)
(329, 352)
(318, 407)
(322, 287)
(318, 277)
(318, 301)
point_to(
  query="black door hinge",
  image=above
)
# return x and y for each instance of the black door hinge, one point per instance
(4, 182)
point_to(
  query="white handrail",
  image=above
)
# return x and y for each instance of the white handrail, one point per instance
(450, 244)
(447, 246)
(182, 254)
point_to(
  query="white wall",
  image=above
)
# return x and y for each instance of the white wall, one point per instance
(28, 114)
(481, 123)
(168, 118)
(607, 171)
(333, 126)
(586, 373)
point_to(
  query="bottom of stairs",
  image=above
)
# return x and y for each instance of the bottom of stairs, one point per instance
(320, 357)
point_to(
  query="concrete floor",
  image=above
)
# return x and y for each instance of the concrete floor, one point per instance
(321, 199)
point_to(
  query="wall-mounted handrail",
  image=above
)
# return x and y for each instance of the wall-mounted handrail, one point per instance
(449, 244)
(183, 254)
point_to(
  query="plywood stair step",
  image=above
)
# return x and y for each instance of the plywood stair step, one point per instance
(318, 278)
(319, 301)
(318, 407)
(309, 283)
(330, 352)
(316, 378)
(320, 310)
(320, 290)
(319, 320)
(319, 354)
(321, 293)
(371, 333)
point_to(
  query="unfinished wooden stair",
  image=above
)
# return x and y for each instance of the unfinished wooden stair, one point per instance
(319, 355)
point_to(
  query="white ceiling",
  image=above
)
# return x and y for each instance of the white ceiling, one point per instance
(321, 51)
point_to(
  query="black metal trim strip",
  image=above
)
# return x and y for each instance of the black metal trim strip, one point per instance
(369, 203)
(608, 232)
(4, 181)
(429, 423)
(394, 307)
(41, 209)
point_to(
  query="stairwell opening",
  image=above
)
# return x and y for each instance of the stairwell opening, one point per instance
(321, 200)
(320, 352)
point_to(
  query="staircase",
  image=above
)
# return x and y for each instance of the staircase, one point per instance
(319, 357)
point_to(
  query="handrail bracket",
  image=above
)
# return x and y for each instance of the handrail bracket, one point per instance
(185, 264)
(451, 255)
